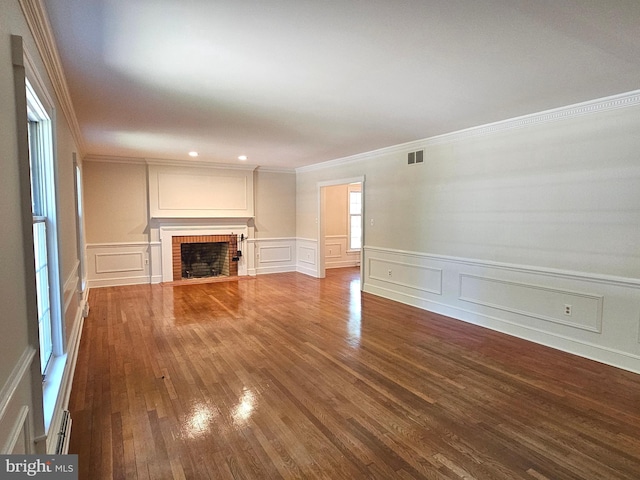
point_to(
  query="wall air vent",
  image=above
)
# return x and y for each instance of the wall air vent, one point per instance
(416, 157)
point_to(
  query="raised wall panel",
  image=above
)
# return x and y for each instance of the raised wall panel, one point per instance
(404, 274)
(273, 255)
(332, 250)
(19, 439)
(337, 253)
(306, 255)
(111, 264)
(15, 398)
(119, 262)
(535, 301)
(179, 191)
(200, 192)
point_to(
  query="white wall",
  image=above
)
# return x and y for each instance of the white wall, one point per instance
(505, 225)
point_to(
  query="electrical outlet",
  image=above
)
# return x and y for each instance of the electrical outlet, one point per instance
(567, 310)
(389, 272)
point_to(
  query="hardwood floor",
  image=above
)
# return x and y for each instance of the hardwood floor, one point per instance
(287, 376)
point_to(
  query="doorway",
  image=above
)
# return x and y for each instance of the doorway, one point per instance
(340, 224)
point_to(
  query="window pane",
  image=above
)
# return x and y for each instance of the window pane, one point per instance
(42, 292)
(355, 240)
(355, 203)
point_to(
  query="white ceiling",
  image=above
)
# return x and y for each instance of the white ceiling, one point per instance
(297, 82)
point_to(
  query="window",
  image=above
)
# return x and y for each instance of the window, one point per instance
(44, 228)
(79, 222)
(355, 217)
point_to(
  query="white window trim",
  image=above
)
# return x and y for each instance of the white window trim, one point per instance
(39, 108)
(353, 188)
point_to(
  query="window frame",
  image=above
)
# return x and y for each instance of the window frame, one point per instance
(354, 188)
(44, 202)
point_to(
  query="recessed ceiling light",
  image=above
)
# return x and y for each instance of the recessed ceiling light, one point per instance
(242, 157)
(193, 154)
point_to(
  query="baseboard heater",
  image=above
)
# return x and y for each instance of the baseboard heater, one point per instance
(64, 436)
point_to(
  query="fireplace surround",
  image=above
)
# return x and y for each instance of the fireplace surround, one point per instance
(172, 232)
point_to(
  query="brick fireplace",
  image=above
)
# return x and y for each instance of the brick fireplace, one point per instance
(174, 232)
(176, 252)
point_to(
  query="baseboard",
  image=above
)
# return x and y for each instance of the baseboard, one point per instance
(119, 281)
(306, 270)
(277, 269)
(342, 264)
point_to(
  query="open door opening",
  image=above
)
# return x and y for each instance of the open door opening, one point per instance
(340, 225)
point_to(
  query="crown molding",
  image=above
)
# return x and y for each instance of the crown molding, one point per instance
(198, 164)
(36, 16)
(166, 163)
(614, 102)
(267, 169)
(110, 159)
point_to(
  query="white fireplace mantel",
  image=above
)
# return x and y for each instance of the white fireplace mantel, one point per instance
(164, 229)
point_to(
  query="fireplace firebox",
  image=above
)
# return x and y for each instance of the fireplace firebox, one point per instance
(201, 256)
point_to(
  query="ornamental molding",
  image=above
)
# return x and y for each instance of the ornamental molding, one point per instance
(38, 22)
(614, 102)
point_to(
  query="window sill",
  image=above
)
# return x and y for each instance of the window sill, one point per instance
(51, 387)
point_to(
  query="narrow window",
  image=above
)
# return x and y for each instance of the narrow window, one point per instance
(44, 231)
(355, 217)
(79, 222)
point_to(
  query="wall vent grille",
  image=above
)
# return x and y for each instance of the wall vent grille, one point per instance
(414, 158)
(64, 436)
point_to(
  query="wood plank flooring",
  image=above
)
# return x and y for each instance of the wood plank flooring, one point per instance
(287, 376)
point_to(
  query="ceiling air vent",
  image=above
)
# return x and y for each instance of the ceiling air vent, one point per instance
(415, 157)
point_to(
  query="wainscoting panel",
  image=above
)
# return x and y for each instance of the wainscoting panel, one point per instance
(111, 264)
(19, 441)
(579, 310)
(306, 256)
(333, 249)
(337, 253)
(590, 315)
(274, 255)
(405, 275)
(119, 262)
(155, 261)
(15, 398)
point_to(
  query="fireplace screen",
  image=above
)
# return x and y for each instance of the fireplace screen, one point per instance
(200, 260)
(202, 256)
